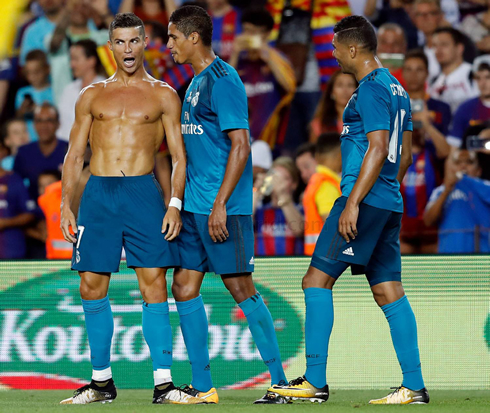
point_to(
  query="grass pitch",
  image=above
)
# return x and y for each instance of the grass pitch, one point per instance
(139, 401)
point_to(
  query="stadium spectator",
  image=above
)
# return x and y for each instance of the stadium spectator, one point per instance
(14, 134)
(328, 115)
(86, 67)
(15, 211)
(428, 17)
(476, 110)
(323, 187)
(46, 154)
(453, 85)
(49, 201)
(477, 28)
(34, 35)
(36, 72)
(430, 115)
(305, 161)
(394, 11)
(261, 158)
(279, 223)
(461, 206)
(74, 25)
(268, 77)
(226, 25)
(156, 10)
(392, 46)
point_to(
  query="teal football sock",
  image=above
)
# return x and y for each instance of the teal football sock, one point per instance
(262, 328)
(100, 327)
(194, 325)
(158, 334)
(403, 328)
(318, 327)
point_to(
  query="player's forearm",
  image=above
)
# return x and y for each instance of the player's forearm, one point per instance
(434, 212)
(72, 170)
(18, 221)
(405, 162)
(178, 176)
(237, 160)
(370, 169)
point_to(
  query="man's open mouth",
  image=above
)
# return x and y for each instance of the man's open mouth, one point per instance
(129, 61)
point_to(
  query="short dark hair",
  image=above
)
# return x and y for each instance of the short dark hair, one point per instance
(307, 147)
(47, 105)
(457, 36)
(52, 172)
(483, 66)
(417, 54)
(90, 50)
(126, 20)
(258, 16)
(357, 29)
(190, 19)
(37, 55)
(327, 142)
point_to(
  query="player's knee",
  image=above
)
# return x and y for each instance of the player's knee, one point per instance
(153, 295)
(91, 292)
(184, 292)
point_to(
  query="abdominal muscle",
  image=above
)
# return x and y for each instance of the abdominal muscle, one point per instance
(122, 148)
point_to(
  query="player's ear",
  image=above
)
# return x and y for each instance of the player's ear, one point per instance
(146, 41)
(194, 37)
(352, 51)
(109, 43)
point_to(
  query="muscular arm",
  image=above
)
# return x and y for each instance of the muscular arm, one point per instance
(370, 169)
(73, 165)
(171, 123)
(237, 160)
(406, 158)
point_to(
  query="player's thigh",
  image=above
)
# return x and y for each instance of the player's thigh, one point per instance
(94, 286)
(385, 262)
(193, 256)
(99, 238)
(143, 214)
(152, 283)
(235, 255)
(186, 284)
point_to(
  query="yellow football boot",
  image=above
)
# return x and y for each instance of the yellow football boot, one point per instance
(402, 395)
(301, 389)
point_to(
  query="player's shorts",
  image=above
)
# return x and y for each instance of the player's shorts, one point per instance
(118, 212)
(198, 252)
(375, 251)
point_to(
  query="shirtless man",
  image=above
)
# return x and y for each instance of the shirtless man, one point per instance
(124, 118)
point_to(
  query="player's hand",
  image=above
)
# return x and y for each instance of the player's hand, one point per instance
(217, 224)
(172, 224)
(348, 222)
(68, 220)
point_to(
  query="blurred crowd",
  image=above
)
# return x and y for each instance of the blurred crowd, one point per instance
(439, 50)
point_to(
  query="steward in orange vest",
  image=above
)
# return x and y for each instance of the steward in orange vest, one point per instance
(49, 202)
(323, 188)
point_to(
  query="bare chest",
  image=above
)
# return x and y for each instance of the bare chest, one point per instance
(134, 105)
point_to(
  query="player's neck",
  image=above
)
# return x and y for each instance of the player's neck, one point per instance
(366, 66)
(127, 78)
(201, 60)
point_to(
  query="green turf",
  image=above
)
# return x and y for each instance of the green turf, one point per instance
(139, 401)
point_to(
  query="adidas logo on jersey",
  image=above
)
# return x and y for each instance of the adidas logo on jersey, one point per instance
(252, 261)
(348, 251)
